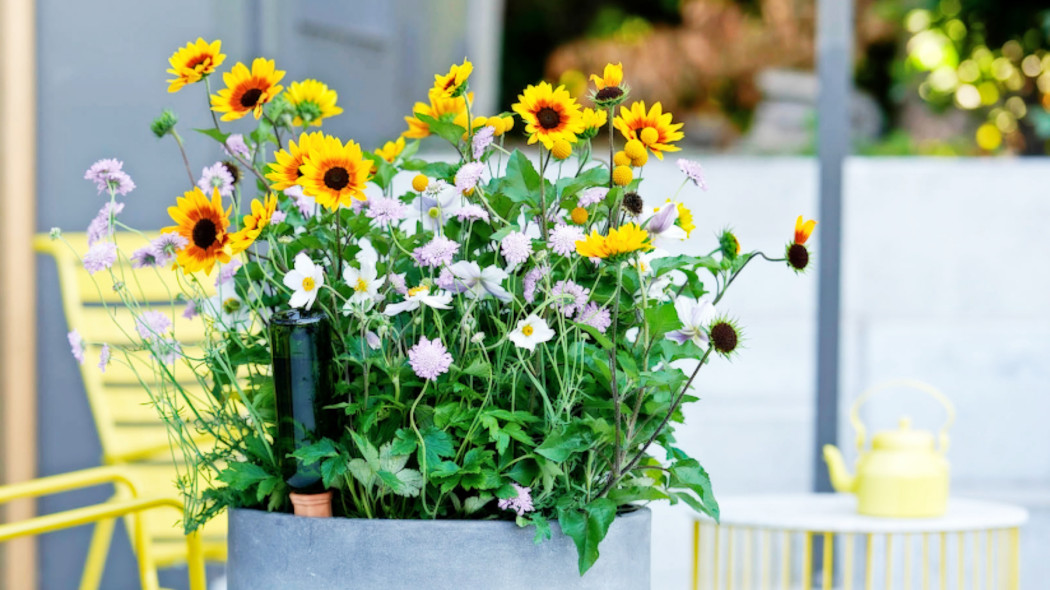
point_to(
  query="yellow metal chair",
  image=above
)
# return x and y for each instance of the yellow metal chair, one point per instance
(130, 508)
(130, 432)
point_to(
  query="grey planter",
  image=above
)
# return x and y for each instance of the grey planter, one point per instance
(270, 550)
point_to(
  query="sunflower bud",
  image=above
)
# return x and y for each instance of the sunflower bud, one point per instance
(724, 337)
(797, 257)
(164, 124)
(728, 244)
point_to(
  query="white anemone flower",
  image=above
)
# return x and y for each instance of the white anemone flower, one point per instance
(230, 312)
(661, 227)
(475, 282)
(695, 316)
(436, 206)
(365, 281)
(305, 280)
(420, 296)
(531, 331)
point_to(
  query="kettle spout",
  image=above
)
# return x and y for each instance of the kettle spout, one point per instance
(841, 479)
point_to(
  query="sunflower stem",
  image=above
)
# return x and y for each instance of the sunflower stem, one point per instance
(185, 160)
(543, 194)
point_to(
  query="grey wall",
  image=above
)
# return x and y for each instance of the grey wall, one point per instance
(102, 80)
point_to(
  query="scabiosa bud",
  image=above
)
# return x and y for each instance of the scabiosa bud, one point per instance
(164, 123)
(234, 171)
(725, 337)
(633, 204)
(797, 257)
(729, 244)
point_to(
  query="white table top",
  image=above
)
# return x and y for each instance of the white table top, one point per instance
(837, 513)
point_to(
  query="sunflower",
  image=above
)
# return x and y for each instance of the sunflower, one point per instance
(437, 109)
(191, 63)
(654, 129)
(391, 150)
(452, 83)
(253, 224)
(313, 102)
(287, 170)
(803, 229)
(247, 91)
(593, 121)
(685, 220)
(334, 173)
(549, 114)
(611, 76)
(204, 225)
(623, 240)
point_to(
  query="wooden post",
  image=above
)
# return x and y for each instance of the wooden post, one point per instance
(17, 276)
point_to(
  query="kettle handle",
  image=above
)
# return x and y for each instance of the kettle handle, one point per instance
(854, 412)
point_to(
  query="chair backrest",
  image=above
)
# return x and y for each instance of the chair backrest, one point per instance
(129, 428)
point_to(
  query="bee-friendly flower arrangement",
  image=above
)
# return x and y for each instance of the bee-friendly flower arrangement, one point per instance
(510, 338)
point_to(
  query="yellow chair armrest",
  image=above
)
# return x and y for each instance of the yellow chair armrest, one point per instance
(68, 481)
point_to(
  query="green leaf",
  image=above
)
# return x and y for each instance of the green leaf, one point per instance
(478, 368)
(690, 475)
(601, 339)
(438, 444)
(587, 528)
(522, 182)
(242, 476)
(215, 134)
(662, 319)
(475, 503)
(332, 469)
(446, 130)
(570, 185)
(315, 452)
(561, 444)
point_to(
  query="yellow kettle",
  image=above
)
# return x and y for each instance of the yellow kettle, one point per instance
(903, 475)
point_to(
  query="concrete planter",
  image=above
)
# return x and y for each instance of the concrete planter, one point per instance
(270, 550)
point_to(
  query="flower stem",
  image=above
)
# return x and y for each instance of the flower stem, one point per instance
(185, 160)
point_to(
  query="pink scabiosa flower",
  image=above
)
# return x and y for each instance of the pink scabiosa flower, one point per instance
(472, 212)
(108, 175)
(693, 172)
(76, 346)
(528, 284)
(307, 206)
(482, 139)
(151, 324)
(429, 358)
(144, 257)
(564, 237)
(103, 358)
(516, 247)
(226, 271)
(100, 257)
(167, 246)
(100, 226)
(592, 196)
(436, 253)
(520, 504)
(386, 211)
(165, 349)
(216, 176)
(235, 146)
(468, 176)
(278, 217)
(397, 281)
(594, 316)
(569, 297)
(190, 311)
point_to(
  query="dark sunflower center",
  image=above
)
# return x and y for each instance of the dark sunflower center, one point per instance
(250, 97)
(234, 171)
(609, 93)
(336, 178)
(798, 256)
(548, 118)
(724, 337)
(204, 233)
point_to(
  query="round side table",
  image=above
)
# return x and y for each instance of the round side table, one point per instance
(769, 542)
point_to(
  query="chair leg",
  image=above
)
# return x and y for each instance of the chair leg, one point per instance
(95, 564)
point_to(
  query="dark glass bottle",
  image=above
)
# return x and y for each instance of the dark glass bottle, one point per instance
(302, 361)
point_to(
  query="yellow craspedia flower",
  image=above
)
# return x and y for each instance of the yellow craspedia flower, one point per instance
(247, 90)
(497, 125)
(391, 150)
(253, 223)
(287, 169)
(579, 216)
(620, 158)
(190, 64)
(653, 127)
(508, 123)
(642, 161)
(622, 176)
(313, 100)
(452, 83)
(438, 108)
(549, 114)
(623, 240)
(420, 183)
(634, 149)
(475, 124)
(685, 218)
(561, 149)
(611, 76)
(204, 224)
(335, 173)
